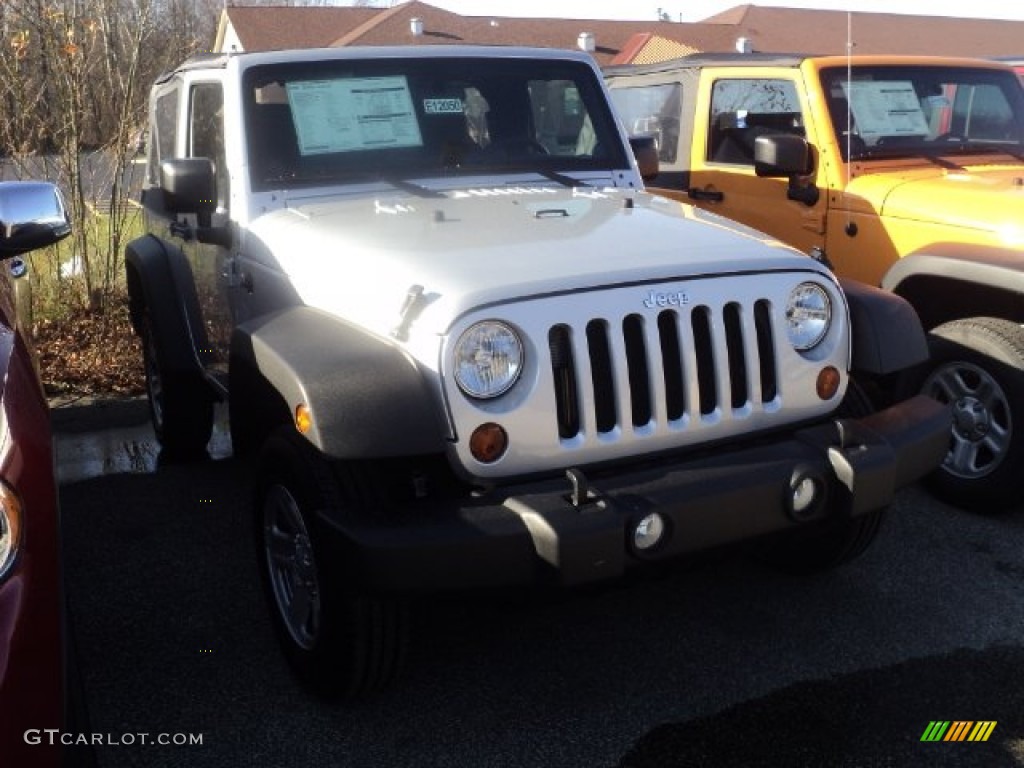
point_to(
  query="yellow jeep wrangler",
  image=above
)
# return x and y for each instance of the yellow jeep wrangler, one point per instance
(902, 172)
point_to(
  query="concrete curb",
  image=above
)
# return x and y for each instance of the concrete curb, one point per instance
(90, 414)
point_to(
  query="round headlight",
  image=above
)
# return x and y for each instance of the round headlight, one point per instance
(10, 528)
(808, 315)
(488, 359)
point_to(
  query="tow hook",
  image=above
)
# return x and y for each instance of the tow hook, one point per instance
(838, 458)
(580, 495)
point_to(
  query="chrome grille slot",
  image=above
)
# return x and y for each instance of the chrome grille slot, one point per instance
(648, 372)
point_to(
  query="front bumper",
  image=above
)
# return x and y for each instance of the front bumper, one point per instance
(533, 533)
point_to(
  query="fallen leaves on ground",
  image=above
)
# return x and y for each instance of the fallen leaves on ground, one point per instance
(90, 353)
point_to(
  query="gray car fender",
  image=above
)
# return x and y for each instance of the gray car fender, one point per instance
(160, 280)
(367, 397)
(886, 332)
(949, 281)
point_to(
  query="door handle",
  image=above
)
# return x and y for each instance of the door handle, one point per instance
(712, 195)
(181, 229)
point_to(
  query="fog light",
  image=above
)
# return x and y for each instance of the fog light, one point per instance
(805, 496)
(648, 531)
(488, 443)
(828, 382)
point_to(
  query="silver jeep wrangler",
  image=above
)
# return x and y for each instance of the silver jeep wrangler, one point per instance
(465, 349)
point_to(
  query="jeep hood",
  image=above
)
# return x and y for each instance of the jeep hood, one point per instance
(987, 198)
(359, 258)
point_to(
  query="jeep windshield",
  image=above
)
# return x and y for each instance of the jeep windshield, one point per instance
(349, 121)
(918, 111)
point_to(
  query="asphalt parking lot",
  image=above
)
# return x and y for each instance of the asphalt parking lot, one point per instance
(723, 663)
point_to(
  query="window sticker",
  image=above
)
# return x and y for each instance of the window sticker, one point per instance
(353, 114)
(443, 107)
(885, 109)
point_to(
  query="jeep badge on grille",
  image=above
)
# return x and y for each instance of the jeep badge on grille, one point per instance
(667, 299)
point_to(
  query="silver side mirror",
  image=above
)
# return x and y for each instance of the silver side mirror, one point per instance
(32, 215)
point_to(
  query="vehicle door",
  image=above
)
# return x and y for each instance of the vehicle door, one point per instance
(213, 265)
(734, 107)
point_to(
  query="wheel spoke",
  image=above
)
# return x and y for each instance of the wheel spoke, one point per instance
(949, 383)
(963, 456)
(989, 393)
(302, 610)
(998, 439)
(281, 548)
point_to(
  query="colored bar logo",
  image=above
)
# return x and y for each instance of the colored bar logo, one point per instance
(959, 730)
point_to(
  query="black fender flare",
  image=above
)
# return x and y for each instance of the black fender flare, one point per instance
(367, 397)
(160, 280)
(886, 333)
(950, 281)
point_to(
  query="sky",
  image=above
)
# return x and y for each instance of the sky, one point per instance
(698, 10)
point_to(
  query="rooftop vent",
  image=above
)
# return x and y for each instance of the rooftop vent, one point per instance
(744, 45)
(586, 42)
(416, 27)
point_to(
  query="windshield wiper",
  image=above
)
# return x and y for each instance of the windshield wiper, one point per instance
(893, 152)
(411, 187)
(967, 148)
(404, 185)
(560, 178)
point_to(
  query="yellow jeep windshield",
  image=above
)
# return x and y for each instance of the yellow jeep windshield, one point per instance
(889, 111)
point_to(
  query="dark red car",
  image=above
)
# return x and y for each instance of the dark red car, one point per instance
(32, 668)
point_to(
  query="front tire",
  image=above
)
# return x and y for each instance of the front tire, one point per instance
(977, 366)
(834, 541)
(180, 404)
(340, 641)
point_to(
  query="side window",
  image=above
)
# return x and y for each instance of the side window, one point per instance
(743, 109)
(652, 110)
(165, 128)
(206, 131)
(981, 112)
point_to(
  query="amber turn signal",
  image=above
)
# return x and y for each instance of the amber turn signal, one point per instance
(303, 418)
(828, 382)
(488, 443)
